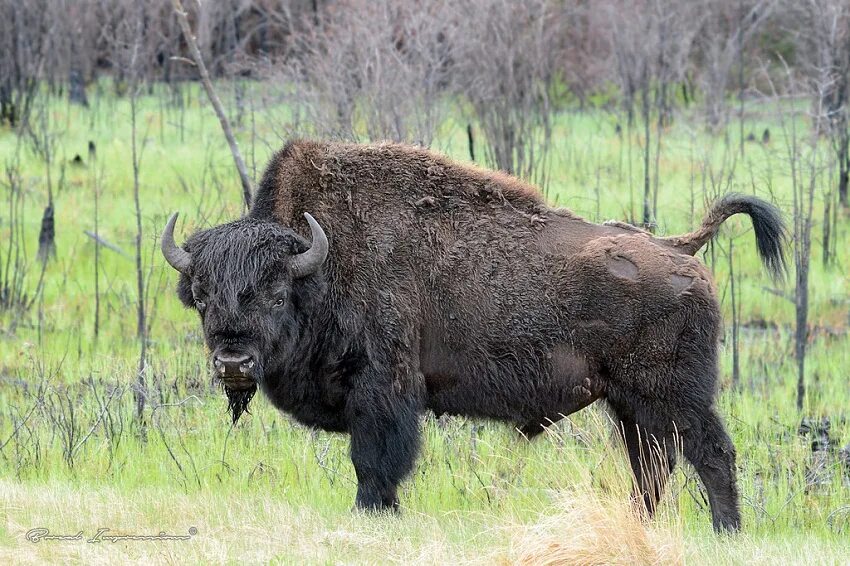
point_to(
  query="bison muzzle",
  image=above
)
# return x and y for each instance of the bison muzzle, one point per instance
(427, 284)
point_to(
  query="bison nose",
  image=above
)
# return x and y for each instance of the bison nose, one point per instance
(233, 365)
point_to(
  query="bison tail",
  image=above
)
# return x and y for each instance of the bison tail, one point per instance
(771, 234)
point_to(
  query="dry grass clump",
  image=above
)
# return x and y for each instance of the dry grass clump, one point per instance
(591, 528)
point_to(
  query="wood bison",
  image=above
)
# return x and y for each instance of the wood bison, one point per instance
(428, 284)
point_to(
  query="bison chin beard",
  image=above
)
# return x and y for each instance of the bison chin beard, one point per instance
(241, 393)
(238, 399)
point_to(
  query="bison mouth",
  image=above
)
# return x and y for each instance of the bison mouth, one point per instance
(237, 382)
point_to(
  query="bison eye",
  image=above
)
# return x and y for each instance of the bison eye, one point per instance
(201, 305)
(278, 302)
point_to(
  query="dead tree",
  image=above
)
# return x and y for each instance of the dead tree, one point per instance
(214, 100)
(806, 164)
(652, 41)
(823, 39)
(728, 29)
(129, 41)
(506, 58)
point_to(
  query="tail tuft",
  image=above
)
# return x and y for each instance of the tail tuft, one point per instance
(771, 234)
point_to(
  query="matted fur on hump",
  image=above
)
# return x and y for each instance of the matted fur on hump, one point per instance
(305, 174)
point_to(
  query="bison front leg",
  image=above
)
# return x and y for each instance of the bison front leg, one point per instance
(385, 437)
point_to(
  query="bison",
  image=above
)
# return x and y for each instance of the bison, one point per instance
(429, 284)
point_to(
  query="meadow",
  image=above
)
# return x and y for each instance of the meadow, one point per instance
(74, 457)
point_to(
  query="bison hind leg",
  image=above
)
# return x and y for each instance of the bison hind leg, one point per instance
(652, 456)
(709, 449)
(653, 438)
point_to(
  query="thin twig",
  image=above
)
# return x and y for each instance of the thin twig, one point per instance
(103, 411)
(101, 242)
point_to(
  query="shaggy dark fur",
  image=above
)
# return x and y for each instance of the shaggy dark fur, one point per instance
(456, 289)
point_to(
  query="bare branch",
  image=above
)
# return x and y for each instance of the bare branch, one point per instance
(101, 242)
(247, 190)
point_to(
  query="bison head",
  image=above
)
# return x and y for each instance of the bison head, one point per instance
(250, 281)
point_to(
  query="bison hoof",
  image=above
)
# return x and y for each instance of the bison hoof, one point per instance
(390, 511)
(727, 525)
(376, 505)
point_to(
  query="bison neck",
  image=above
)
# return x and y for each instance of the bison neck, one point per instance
(312, 384)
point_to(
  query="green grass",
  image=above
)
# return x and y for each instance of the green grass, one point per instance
(69, 437)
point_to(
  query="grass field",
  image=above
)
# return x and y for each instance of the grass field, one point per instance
(74, 458)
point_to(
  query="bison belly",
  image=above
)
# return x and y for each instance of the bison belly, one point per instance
(515, 382)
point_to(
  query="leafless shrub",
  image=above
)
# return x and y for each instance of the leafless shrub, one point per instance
(367, 50)
(507, 56)
(652, 41)
(67, 43)
(373, 70)
(729, 27)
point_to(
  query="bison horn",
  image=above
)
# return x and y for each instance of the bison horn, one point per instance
(308, 262)
(179, 258)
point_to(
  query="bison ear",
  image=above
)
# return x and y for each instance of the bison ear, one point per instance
(184, 291)
(311, 260)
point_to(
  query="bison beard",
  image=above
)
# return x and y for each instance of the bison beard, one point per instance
(239, 398)
(237, 401)
(442, 286)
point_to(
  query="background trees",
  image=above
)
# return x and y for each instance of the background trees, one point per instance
(684, 50)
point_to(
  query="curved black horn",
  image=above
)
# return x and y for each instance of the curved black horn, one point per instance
(179, 258)
(308, 262)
